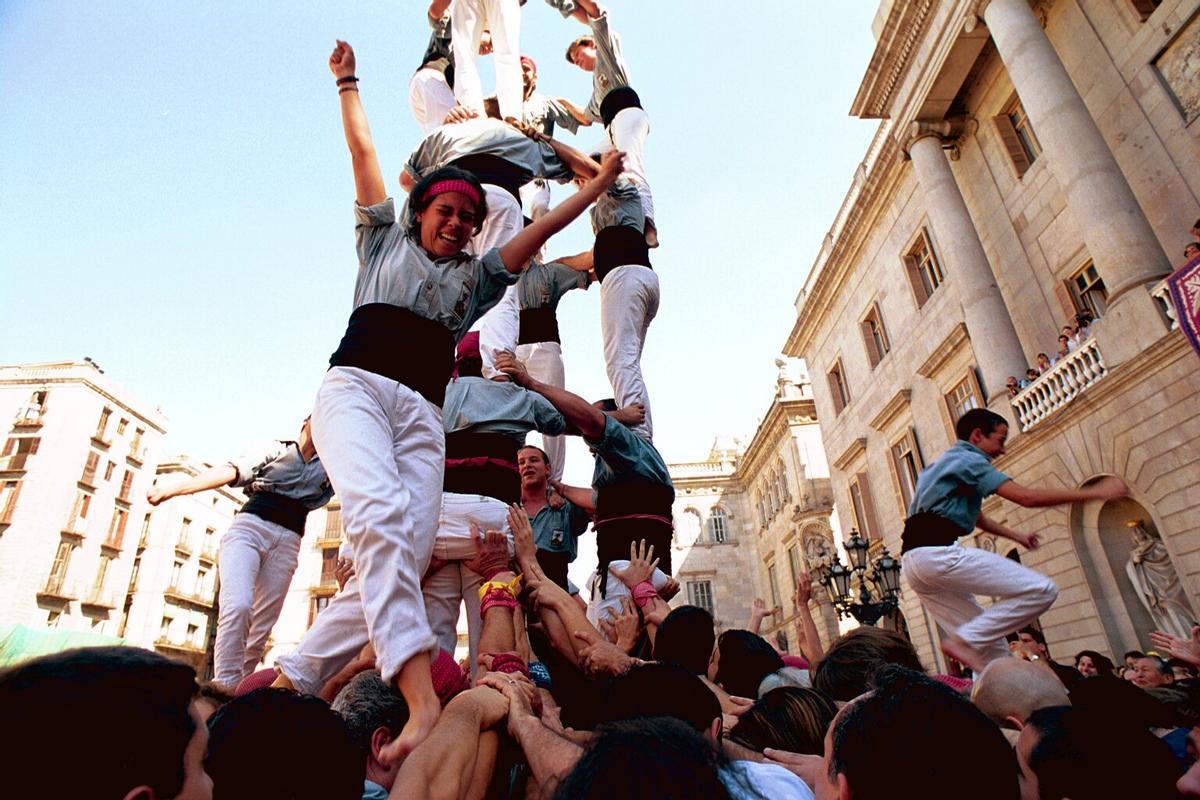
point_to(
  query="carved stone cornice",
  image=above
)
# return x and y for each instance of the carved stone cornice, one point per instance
(856, 448)
(891, 409)
(943, 352)
(890, 62)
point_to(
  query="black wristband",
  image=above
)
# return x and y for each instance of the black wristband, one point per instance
(347, 79)
(345, 89)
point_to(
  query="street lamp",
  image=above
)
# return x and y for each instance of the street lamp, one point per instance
(869, 607)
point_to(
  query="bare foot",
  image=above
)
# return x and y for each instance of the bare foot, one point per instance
(960, 651)
(651, 234)
(415, 683)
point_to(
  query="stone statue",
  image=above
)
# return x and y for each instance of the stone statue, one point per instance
(817, 555)
(1153, 576)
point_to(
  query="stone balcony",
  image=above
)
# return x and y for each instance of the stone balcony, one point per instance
(1070, 376)
(1162, 298)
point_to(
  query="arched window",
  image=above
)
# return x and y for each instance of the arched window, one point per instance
(718, 526)
(773, 493)
(785, 494)
(758, 504)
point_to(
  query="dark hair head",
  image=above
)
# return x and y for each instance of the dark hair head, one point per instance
(646, 759)
(366, 704)
(845, 671)
(583, 41)
(418, 202)
(1082, 755)
(1160, 664)
(920, 719)
(135, 701)
(1132, 654)
(267, 727)
(788, 718)
(663, 690)
(983, 419)
(1103, 664)
(686, 637)
(1034, 634)
(745, 659)
(545, 455)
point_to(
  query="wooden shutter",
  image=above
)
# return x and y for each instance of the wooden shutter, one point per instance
(1145, 8)
(864, 490)
(973, 379)
(6, 513)
(1012, 144)
(913, 271)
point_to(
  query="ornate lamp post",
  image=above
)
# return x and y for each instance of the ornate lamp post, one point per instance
(868, 607)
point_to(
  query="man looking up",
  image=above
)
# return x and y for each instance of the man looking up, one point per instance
(556, 531)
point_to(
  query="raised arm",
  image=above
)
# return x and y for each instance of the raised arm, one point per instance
(588, 419)
(1109, 488)
(588, 7)
(578, 162)
(210, 478)
(524, 245)
(810, 640)
(369, 187)
(437, 9)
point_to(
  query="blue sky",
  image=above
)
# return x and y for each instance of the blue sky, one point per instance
(176, 196)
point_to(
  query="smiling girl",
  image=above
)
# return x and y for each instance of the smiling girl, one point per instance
(377, 418)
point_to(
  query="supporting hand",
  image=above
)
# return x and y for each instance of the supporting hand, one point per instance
(641, 565)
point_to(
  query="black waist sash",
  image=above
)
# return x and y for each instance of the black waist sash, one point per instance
(928, 530)
(617, 246)
(398, 344)
(617, 101)
(538, 325)
(482, 463)
(286, 511)
(494, 170)
(628, 513)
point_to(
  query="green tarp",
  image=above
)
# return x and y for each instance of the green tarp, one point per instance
(21, 642)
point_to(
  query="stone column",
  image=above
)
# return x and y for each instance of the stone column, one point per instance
(988, 321)
(1118, 237)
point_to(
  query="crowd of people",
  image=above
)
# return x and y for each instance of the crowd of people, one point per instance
(451, 357)
(1070, 337)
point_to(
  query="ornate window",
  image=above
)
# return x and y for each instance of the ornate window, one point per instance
(1017, 136)
(700, 594)
(924, 271)
(718, 525)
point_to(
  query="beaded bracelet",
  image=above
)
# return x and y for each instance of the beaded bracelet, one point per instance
(347, 79)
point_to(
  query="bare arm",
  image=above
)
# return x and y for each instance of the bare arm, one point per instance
(550, 756)
(443, 766)
(576, 495)
(210, 478)
(586, 418)
(407, 181)
(576, 112)
(1109, 488)
(810, 640)
(576, 161)
(524, 245)
(369, 187)
(989, 525)
(582, 262)
(758, 610)
(588, 7)
(437, 9)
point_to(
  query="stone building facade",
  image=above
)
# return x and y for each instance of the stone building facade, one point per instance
(1033, 161)
(170, 602)
(79, 455)
(753, 515)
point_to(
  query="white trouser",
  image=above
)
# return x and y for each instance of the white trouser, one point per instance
(628, 302)
(544, 362)
(628, 133)
(946, 579)
(430, 98)
(535, 198)
(497, 328)
(447, 589)
(384, 449)
(258, 560)
(468, 19)
(600, 608)
(504, 221)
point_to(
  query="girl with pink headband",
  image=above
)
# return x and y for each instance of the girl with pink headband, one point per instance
(377, 417)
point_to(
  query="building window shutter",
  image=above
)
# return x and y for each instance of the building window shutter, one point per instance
(913, 269)
(1012, 143)
(864, 488)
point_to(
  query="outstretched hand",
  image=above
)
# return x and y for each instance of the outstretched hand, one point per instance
(612, 164)
(526, 550)
(803, 589)
(491, 553)
(341, 60)
(1184, 649)
(641, 565)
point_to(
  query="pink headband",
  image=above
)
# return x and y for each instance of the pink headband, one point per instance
(453, 185)
(530, 62)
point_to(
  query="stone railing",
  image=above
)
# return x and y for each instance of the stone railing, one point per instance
(1071, 375)
(697, 469)
(1162, 298)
